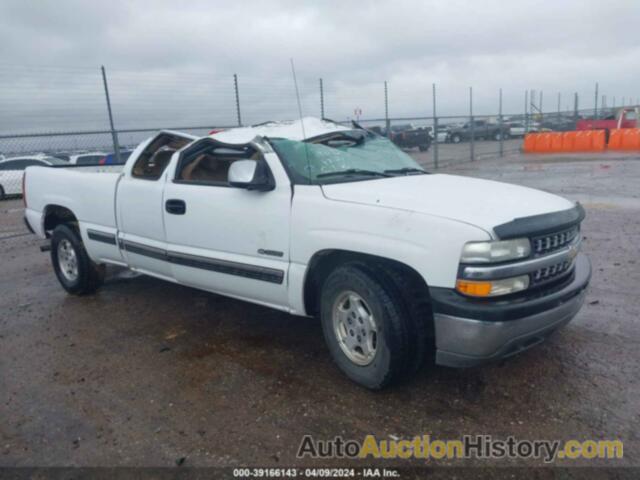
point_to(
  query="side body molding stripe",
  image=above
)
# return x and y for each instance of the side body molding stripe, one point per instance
(101, 236)
(147, 251)
(271, 275)
(256, 272)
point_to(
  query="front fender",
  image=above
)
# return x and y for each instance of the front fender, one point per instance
(429, 244)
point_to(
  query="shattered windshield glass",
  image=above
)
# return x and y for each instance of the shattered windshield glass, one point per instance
(344, 156)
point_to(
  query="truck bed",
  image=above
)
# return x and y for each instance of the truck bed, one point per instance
(88, 193)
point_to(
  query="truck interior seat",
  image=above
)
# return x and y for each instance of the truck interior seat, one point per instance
(159, 161)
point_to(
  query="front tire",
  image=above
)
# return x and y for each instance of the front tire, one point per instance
(1, 193)
(365, 325)
(456, 139)
(76, 272)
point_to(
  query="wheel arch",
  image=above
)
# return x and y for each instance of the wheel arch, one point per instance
(55, 215)
(323, 262)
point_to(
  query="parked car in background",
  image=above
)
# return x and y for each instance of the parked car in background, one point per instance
(482, 130)
(12, 170)
(406, 136)
(111, 159)
(555, 124)
(517, 129)
(625, 118)
(409, 136)
(90, 158)
(442, 133)
(61, 155)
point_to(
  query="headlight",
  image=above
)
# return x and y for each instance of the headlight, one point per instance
(493, 288)
(494, 252)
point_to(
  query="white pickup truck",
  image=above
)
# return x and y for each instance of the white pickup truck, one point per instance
(314, 218)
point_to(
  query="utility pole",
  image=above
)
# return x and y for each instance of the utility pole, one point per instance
(526, 106)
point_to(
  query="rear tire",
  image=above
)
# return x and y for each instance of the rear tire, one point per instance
(1, 193)
(76, 272)
(366, 326)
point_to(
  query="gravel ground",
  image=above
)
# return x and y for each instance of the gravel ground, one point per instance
(145, 373)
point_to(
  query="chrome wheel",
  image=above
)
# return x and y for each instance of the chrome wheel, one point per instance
(355, 328)
(67, 260)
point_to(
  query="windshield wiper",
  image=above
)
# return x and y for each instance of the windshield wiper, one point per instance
(406, 170)
(354, 171)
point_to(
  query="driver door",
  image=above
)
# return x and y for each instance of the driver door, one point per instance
(225, 239)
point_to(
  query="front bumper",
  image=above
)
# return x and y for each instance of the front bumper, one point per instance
(470, 332)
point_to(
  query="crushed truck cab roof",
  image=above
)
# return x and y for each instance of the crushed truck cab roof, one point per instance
(307, 127)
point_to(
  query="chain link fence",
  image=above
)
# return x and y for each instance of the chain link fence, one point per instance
(93, 115)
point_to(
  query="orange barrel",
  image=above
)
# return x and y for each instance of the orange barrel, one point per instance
(556, 141)
(599, 140)
(631, 139)
(615, 139)
(529, 145)
(543, 143)
(568, 141)
(584, 141)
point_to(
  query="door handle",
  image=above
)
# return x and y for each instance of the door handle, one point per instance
(175, 207)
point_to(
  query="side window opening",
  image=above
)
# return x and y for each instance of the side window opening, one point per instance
(155, 158)
(208, 162)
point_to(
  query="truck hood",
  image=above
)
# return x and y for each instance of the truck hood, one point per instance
(483, 203)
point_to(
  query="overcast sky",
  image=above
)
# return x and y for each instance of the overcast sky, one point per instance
(172, 62)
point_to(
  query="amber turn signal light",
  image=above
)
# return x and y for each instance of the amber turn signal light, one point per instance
(474, 289)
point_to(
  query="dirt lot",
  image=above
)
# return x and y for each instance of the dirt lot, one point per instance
(145, 373)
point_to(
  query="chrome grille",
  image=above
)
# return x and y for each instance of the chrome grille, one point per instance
(551, 272)
(551, 242)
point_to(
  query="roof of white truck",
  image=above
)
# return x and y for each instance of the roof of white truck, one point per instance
(292, 130)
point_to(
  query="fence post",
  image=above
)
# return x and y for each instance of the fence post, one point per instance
(500, 125)
(321, 99)
(575, 107)
(559, 105)
(540, 107)
(471, 126)
(235, 87)
(526, 116)
(435, 129)
(532, 102)
(114, 134)
(386, 110)
(595, 109)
